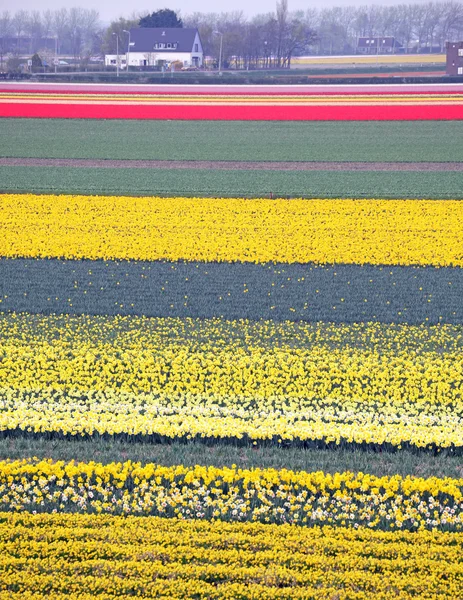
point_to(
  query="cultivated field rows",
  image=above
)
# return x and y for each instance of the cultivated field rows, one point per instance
(234, 372)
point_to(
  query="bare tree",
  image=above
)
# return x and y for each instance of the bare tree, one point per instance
(299, 37)
(406, 24)
(34, 29)
(19, 23)
(232, 26)
(420, 18)
(432, 19)
(335, 30)
(47, 23)
(282, 25)
(6, 29)
(451, 22)
(82, 25)
(60, 25)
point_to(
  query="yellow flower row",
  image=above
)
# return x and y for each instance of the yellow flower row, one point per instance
(88, 556)
(213, 333)
(402, 232)
(368, 384)
(218, 418)
(265, 495)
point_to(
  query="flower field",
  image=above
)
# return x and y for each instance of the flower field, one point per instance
(233, 495)
(379, 232)
(172, 558)
(231, 343)
(395, 106)
(287, 383)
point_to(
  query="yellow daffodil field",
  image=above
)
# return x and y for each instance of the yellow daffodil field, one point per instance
(283, 383)
(152, 557)
(377, 232)
(231, 367)
(230, 494)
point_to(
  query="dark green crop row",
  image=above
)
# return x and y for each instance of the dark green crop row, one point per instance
(403, 462)
(340, 293)
(233, 141)
(231, 183)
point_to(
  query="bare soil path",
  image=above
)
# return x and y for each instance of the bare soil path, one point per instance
(233, 165)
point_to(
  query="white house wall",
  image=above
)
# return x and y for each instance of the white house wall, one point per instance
(200, 47)
(110, 60)
(136, 59)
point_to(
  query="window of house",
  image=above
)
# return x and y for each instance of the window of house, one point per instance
(460, 51)
(196, 47)
(169, 45)
(113, 62)
(460, 70)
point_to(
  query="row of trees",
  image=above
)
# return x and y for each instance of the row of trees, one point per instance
(421, 25)
(266, 40)
(270, 39)
(76, 31)
(284, 34)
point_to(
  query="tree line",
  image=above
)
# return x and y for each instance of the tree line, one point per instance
(266, 40)
(283, 34)
(76, 31)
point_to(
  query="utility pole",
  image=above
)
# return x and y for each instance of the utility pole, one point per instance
(128, 50)
(220, 52)
(117, 53)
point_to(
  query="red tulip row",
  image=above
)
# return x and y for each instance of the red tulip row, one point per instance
(371, 112)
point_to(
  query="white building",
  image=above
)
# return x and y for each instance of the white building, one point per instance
(150, 47)
(110, 60)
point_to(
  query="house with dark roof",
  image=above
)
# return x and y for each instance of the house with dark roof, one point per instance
(153, 46)
(455, 58)
(378, 45)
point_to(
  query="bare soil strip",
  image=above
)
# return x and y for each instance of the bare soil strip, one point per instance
(232, 165)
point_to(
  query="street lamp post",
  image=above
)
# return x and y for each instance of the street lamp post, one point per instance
(56, 52)
(220, 52)
(117, 53)
(128, 50)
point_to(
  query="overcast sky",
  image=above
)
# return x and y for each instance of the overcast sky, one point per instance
(109, 9)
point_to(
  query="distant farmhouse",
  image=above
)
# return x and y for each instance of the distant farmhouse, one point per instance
(151, 47)
(378, 45)
(454, 58)
(110, 60)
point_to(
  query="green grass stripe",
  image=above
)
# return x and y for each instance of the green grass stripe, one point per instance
(402, 463)
(215, 140)
(233, 183)
(339, 293)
